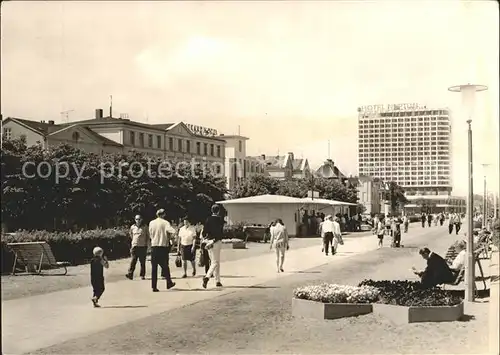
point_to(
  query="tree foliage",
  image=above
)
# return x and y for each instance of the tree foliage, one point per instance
(331, 189)
(98, 191)
(395, 195)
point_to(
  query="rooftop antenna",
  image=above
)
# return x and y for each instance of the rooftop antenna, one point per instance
(65, 115)
(329, 149)
(238, 130)
(110, 106)
(147, 117)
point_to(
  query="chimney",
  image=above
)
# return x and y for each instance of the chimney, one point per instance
(263, 156)
(290, 156)
(51, 122)
(99, 113)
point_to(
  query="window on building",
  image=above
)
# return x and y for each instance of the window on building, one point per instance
(240, 145)
(150, 141)
(205, 148)
(179, 145)
(158, 142)
(212, 152)
(141, 139)
(218, 169)
(198, 148)
(132, 138)
(170, 144)
(7, 132)
(188, 146)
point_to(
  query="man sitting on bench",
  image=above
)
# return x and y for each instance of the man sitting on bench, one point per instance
(437, 271)
(459, 262)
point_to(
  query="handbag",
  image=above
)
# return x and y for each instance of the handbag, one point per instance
(178, 261)
(341, 241)
(201, 260)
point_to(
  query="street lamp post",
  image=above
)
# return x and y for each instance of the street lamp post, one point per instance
(485, 197)
(468, 92)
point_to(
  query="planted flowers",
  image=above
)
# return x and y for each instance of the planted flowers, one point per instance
(411, 293)
(331, 293)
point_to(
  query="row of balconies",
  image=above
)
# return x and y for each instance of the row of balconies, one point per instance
(413, 132)
(371, 119)
(432, 125)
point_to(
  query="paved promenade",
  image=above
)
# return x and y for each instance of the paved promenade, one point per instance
(494, 304)
(36, 322)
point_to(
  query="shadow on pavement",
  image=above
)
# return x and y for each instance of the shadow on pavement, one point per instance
(250, 287)
(123, 306)
(236, 277)
(480, 294)
(466, 318)
(305, 272)
(40, 275)
(197, 289)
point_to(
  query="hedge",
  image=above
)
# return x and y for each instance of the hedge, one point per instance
(234, 231)
(75, 248)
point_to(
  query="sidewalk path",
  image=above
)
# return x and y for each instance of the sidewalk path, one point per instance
(259, 320)
(78, 276)
(41, 321)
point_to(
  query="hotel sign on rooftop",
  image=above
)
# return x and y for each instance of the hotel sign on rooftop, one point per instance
(390, 107)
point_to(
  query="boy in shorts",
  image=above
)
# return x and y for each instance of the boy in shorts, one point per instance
(97, 265)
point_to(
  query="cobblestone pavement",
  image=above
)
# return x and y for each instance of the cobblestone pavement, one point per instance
(258, 319)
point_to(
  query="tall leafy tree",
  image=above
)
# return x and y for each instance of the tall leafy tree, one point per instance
(96, 191)
(331, 189)
(395, 195)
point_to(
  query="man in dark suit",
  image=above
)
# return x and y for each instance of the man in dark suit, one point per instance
(437, 271)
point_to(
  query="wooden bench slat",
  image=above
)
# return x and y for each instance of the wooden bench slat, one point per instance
(36, 255)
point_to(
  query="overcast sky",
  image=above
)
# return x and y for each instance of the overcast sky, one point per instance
(290, 74)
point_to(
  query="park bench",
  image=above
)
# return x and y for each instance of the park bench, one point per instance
(35, 257)
(451, 255)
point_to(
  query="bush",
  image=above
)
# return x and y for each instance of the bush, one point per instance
(411, 293)
(331, 293)
(75, 248)
(234, 231)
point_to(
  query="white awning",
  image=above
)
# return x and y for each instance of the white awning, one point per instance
(263, 199)
(322, 201)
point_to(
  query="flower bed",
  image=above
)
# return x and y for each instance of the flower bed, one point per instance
(411, 293)
(234, 243)
(232, 240)
(330, 301)
(332, 293)
(407, 302)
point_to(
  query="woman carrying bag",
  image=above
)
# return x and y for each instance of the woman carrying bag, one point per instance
(186, 247)
(204, 256)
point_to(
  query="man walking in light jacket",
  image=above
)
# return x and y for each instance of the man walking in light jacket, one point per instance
(160, 232)
(279, 239)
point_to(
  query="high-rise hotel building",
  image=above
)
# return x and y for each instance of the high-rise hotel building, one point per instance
(408, 144)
